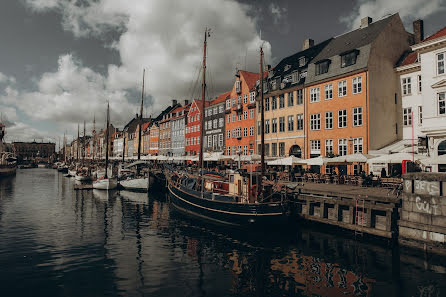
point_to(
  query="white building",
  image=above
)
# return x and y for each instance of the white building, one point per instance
(423, 89)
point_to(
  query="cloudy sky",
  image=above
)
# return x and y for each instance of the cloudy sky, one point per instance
(61, 60)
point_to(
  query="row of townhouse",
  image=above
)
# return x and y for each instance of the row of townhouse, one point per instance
(359, 92)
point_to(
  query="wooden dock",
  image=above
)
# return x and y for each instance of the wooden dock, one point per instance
(371, 210)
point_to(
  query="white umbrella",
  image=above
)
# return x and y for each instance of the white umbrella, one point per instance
(249, 158)
(394, 158)
(288, 161)
(351, 158)
(319, 161)
(435, 160)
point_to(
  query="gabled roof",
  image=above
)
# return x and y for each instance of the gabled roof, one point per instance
(439, 33)
(220, 98)
(407, 58)
(179, 109)
(199, 104)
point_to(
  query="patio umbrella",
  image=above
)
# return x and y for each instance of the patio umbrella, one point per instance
(351, 158)
(288, 161)
(394, 158)
(319, 161)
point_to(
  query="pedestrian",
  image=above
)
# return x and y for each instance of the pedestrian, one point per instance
(383, 172)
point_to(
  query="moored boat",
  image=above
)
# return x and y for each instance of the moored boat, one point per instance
(8, 164)
(105, 183)
(135, 184)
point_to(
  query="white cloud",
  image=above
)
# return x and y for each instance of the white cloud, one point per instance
(165, 36)
(6, 79)
(409, 10)
(277, 12)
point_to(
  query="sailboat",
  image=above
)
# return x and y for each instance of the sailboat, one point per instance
(138, 183)
(239, 201)
(106, 182)
(83, 174)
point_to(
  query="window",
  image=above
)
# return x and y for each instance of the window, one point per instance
(441, 103)
(228, 105)
(215, 123)
(245, 98)
(252, 97)
(209, 141)
(419, 83)
(245, 150)
(234, 133)
(281, 149)
(300, 121)
(274, 103)
(245, 115)
(328, 120)
(282, 101)
(315, 147)
(215, 110)
(228, 150)
(315, 94)
(267, 104)
(407, 116)
(220, 109)
(290, 99)
(315, 121)
(239, 117)
(328, 147)
(274, 149)
(440, 63)
(228, 118)
(251, 131)
(300, 97)
(251, 113)
(238, 86)
(259, 127)
(295, 77)
(245, 132)
(357, 145)
(220, 122)
(342, 147)
(239, 100)
(348, 59)
(302, 61)
(228, 134)
(266, 126)
(274, 125)
(234, 101)
(282, 124)
(420, 115)
(328, 92)
(357, 116)
(342, 118)
(290, 123)
(322, 67)
(209, 111)
(357, 85)
(266, 149)
(342, 88)
(407, 89)
(234, 117)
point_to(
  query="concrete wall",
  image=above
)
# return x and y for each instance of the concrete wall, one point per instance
(423, 215)
(384, 84)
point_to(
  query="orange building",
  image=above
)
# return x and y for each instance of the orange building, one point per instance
(145, 149)
(154, 138)
(351, 92)
(240, 115)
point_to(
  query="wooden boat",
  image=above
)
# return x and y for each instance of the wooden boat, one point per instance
(8, 164)
(107, 182)
(244, 204)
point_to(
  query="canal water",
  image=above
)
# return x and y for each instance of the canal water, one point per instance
(55, 241)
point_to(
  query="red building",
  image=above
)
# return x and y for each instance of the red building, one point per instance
(192, 130)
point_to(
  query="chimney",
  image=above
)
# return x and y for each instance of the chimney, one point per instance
(307, 44)
(174, 102)
(186, 102)
(365, 22)
(418, 31)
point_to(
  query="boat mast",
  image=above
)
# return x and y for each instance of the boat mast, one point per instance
(94, 136)
(203, 99)
(83, 147)
(140, 115)
(64, 145)
(262, 128)
(106, 139)
(77, 144)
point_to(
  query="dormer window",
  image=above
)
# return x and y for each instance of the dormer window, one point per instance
(302, 61)
(287, 67)
(349, 58)
(322, 66)
(270, 73)
(295, 77)
(238, 86)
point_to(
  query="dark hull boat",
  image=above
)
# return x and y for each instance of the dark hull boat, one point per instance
(222, 209)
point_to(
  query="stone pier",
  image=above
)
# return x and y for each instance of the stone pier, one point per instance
(422, 222)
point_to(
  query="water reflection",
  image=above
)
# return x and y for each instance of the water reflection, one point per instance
(56, 242)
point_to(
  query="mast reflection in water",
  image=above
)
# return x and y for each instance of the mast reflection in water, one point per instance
(55, 241)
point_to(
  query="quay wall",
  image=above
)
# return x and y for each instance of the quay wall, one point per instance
(422, 222)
